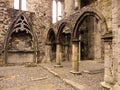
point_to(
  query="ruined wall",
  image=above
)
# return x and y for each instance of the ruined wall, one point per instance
(69, 7)
(105, 7)
(4, 25)
(116, 43)
(42, 19)
(9, 3)
(4, 22)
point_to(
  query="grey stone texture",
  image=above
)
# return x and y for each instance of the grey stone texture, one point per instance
(88, 30)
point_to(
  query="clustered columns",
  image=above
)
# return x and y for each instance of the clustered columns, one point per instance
(58, 54)
(108, 75)
(75, 57)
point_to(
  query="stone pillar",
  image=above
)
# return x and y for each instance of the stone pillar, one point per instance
(79, 48)
(116, 43)
(97, 41)
(108, 74)
(66, 53)
(75, 57)
(58, 55)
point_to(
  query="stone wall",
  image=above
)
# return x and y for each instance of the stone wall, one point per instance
(69, 7)
(9, 3)
(103, 8)
(42, 20)
(116, 43)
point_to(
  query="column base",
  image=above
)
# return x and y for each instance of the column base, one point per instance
(58, 66)
(75, 72)
(116, 87)
(106, 85)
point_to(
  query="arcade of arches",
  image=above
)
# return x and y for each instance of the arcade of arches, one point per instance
(83, 30)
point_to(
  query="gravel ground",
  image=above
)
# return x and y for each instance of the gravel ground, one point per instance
(16, 76)
(89, 80)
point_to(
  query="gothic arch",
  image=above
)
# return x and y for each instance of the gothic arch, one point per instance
(64, 40)
(51, 45)
(63, 25)
(88, 11)
(21, 38)
(50, 35)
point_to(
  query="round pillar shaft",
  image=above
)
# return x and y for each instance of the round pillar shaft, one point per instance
(75, 58)
(58, 56)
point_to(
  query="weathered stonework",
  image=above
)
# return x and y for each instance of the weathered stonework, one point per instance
(102, 23)
(42, 20)
(39, 20)
(116, 40)
(86, 24)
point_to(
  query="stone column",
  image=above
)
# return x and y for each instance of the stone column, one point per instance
(108, 74)
(66, 53)
(97, 41)
(58, 55)
(75, 57)
(116, 39)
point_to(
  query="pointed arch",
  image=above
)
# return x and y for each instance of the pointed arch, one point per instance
(21, 38)
(63, 28)
(19, 24)
(51, 37)
(88, 11)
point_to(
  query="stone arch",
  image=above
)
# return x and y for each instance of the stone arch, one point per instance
(88, 11)
(51, 45)
(66, 26)
(49, 34)
(21, 42)
(99, 27)
(64, 40)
